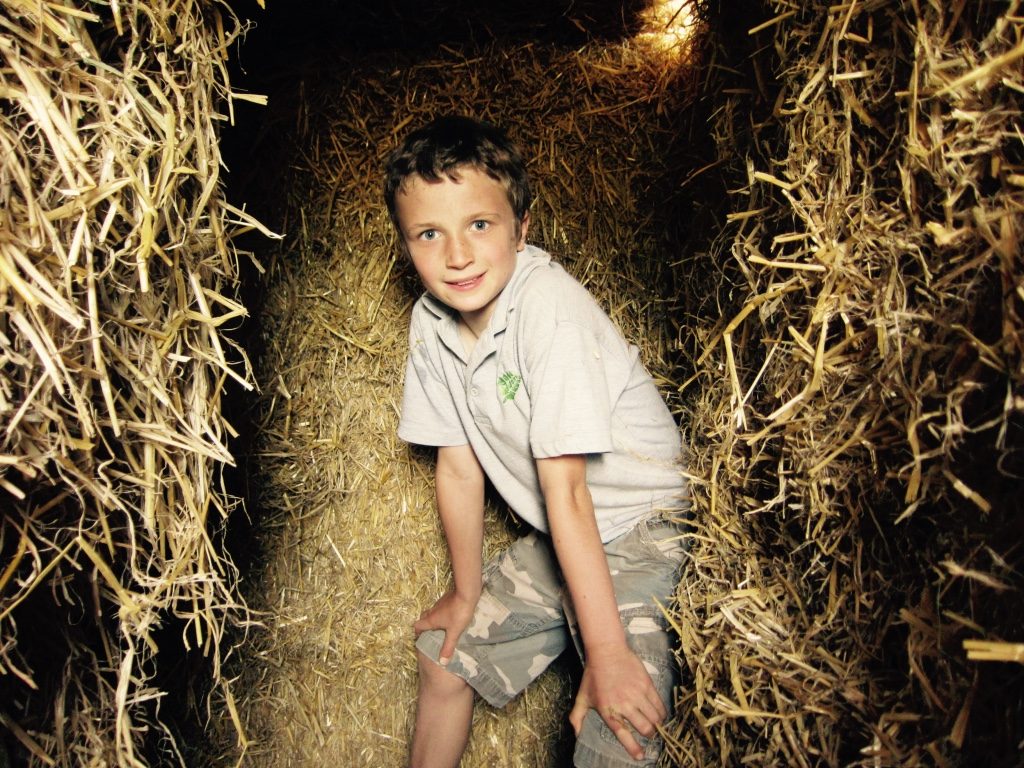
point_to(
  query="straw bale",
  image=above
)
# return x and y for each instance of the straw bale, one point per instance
(118, 284)
(856, 399)
(350, 542)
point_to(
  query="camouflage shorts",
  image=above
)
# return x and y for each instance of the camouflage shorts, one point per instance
(524, 620)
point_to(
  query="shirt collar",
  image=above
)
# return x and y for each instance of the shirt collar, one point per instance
(527, 260)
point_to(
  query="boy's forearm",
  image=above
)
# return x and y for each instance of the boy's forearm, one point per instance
(460, 503)
(580, 553)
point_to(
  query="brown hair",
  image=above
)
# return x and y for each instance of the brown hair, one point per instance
(448, 143)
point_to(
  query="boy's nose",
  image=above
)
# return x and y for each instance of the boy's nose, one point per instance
(459, 255)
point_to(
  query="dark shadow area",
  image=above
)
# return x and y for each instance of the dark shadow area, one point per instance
(296, 30)
(291, 51)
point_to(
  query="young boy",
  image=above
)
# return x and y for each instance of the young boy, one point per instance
(515, 374)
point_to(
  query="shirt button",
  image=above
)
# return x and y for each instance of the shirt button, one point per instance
(473, 391)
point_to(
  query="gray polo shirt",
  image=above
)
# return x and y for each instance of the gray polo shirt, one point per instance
(551, 375)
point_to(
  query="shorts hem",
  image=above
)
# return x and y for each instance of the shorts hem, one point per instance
(588, 757)
(485, 686)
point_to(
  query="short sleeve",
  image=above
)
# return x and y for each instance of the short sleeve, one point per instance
(571, 389)
(428, 414)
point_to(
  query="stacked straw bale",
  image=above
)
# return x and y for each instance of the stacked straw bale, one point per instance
(857, 396)
(349, 536)
(117, 290)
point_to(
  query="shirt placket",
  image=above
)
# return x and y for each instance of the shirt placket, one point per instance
(479, 381)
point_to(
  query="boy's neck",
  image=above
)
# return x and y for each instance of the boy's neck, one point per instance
(468, 335)
(475, 322)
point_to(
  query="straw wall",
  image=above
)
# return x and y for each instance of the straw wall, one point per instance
(117, 297)
(856, 407)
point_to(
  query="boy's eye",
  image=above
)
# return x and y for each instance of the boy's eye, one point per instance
(480, 225)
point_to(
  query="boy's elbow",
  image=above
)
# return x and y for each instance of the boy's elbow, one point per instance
(458, 463)
(563, 482)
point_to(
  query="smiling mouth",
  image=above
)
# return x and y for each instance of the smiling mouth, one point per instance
(462, 285)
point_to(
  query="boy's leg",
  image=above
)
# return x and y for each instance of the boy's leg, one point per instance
(444, 713)
(644, 566)
(518, 629)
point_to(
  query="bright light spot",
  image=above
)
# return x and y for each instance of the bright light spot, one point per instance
(667, 24)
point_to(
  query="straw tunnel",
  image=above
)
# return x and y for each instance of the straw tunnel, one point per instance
(805, 215)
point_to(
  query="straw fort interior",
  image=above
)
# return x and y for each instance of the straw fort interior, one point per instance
(804, 214)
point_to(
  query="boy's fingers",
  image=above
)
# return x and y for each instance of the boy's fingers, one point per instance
(661, 714)
(659, 706)
(422, 624)
(579, 711)
(644, 723)
(623, 734)
(651, 713)
(614, 721)
(447, 649)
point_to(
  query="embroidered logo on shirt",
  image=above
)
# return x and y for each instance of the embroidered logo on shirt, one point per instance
(508, 385)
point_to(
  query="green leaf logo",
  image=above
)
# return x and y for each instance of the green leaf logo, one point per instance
(508, 385)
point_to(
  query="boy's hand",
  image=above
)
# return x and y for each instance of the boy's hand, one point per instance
(616, 685)
(452, 614)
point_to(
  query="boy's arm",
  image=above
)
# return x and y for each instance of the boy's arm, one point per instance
(459, 485)
(615, 682)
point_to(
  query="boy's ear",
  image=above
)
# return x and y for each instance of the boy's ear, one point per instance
(524, 225)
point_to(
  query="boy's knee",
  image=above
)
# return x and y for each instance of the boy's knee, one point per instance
(437, 678)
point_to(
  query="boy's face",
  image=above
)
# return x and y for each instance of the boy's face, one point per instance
(462, 237)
